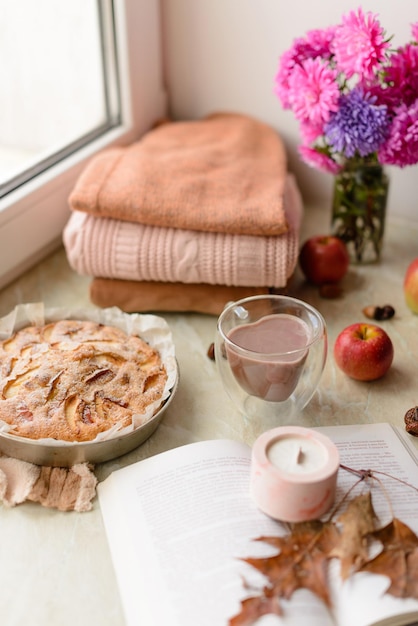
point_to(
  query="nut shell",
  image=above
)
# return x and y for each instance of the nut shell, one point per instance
(211, 352)
(379, 313)
(411, 421)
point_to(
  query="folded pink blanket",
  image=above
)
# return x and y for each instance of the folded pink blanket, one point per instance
(109, 248)
(224, 173)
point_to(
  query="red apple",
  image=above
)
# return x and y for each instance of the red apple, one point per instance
(363, 351)
(410, 286)
(324, 259)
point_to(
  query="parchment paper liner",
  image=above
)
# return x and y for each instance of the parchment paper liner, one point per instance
(151, 328)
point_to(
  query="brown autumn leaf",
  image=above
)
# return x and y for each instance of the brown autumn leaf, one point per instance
(300, 563)
(358, 521)
(398, 559)
(255, 607)
(303, 555)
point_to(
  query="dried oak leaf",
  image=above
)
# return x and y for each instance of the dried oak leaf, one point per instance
(398, 559)
(300, 563)
(358, 521)
(255, 607)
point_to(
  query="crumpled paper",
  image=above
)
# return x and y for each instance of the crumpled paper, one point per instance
(65, 489)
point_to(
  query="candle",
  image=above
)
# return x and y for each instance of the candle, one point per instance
(267, 356)
(294, 473)
(297, 455)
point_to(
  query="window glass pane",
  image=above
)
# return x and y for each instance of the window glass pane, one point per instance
(57, 82)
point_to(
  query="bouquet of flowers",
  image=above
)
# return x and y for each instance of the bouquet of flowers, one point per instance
(354, 97)
(356, 100)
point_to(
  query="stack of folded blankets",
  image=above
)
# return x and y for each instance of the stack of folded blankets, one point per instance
(193, 215)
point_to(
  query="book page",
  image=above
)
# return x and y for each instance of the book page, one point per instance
(177, 524)
(380, 447)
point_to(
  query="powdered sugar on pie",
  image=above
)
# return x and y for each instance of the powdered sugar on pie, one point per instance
(73, 379)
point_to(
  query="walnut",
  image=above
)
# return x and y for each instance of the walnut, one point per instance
(411, 421)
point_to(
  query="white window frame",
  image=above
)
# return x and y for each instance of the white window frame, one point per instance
(33, 216)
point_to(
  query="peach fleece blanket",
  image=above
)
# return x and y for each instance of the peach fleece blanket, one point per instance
(134, 296)
(108, 248)
(224, 173)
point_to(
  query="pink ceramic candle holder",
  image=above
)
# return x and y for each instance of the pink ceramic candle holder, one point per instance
(294, 473)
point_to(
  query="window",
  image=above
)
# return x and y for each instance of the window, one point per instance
(62, 88)
(82, 75)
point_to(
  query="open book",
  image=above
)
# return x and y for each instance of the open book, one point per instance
(178, 523)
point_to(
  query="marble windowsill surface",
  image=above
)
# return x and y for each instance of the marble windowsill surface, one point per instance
(56, 567)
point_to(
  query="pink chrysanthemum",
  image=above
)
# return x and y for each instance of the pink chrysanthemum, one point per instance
(286, 67)
(316, 43)
(414, 30)
(317, 159)
(359, 45)
(313, 92)
(401, 147)
(310, 132)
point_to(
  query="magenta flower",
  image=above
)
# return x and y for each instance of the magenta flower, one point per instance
(359, 45)
(313, 92)
(401, 75)
(414, 30)
(401, 147)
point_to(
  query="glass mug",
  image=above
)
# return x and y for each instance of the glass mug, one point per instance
(270, 352)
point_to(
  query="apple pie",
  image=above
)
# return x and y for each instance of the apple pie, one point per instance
(71, 380)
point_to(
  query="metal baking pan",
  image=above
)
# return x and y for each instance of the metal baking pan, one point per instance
(64, 454)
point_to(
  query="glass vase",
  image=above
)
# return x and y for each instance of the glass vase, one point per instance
(359, 210)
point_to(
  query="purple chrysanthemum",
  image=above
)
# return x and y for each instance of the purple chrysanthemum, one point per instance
(401, 147)
(316, 43)
(313, 92)
(359, 45)
(359, 126)
(318, 159)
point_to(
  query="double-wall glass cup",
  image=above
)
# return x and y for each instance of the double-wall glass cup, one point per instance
(270, 352)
